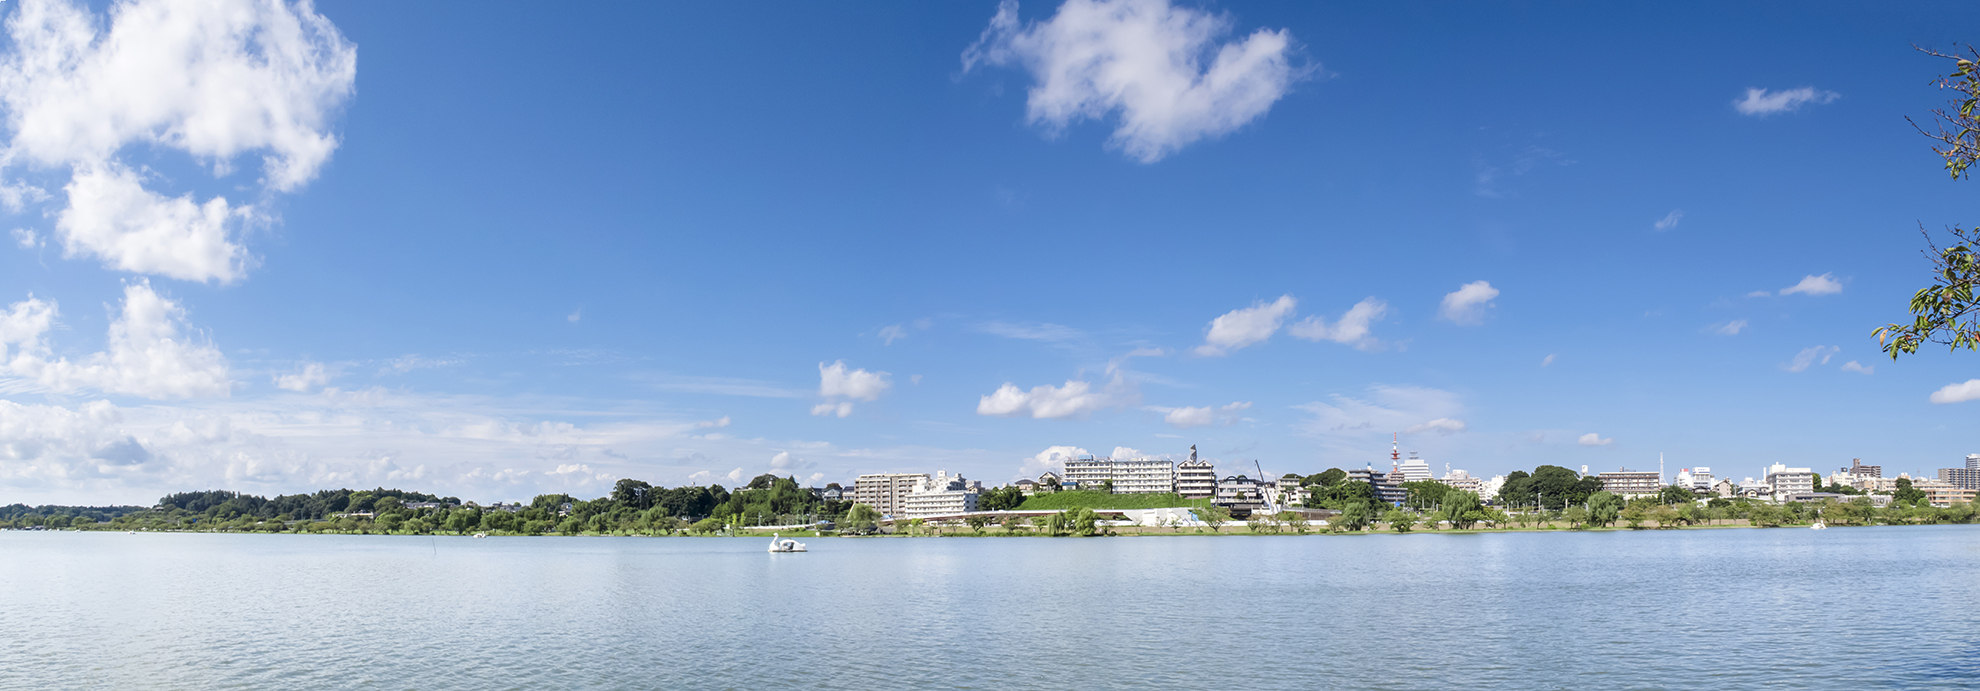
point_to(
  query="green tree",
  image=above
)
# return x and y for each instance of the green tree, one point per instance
(977, 522)
(1399, 520)
(859, 520)
(1946, 312)
(1673, 495)
(1604, 508)
(1462, 509)
(1356, 516)
(1577, 517)
(1212, 516)
(1325, 478)
(1424, 495)
(1906, 494)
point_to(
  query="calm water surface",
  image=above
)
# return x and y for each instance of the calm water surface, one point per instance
(1847, 608)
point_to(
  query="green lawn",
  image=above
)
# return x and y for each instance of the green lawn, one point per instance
(1060, 501)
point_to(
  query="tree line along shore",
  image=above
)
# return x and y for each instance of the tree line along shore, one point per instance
(768, 502)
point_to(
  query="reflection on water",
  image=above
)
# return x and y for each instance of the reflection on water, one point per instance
(1846, 608)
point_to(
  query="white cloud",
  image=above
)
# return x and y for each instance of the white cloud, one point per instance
(1443, 425)
(889, 334)
(1142, 59)
(1761, 294)
(574, 316)
(1958, 393)
(1593, 439)
(1352, 328)
(713, 424)
(408, 363)
(27, 238)
(1182, 418)
(1052, 459)
(784, 461)
(1670, 220)
(1545, 361)
(1809, 357)
(112, 216)
(214, 80)
(145, 354)
(1854, 366)
(856, 384)
(1076, 399)
(1762, 103)
(16, 196)
(1242, 327)
(311, 375)
(1731, 328)
(840, 409)
(1125, 452)
(1824, 284)
(1467, 304)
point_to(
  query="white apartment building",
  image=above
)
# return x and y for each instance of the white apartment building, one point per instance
(1695, 479)
(1129, 476)
(1786, 481)
(1490, 488)
(1632, 483)
(1196, 479)
(1416, 469)
(1460, 480)
(887, 492)
(939, 496)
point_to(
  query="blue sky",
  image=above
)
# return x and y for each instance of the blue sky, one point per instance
(493, 251)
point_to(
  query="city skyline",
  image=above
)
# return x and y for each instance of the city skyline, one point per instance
(500, 254)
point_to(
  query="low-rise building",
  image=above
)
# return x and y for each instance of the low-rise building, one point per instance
(1415, 469)
(1125, 475)
(1464, 481)
(1292, 489)
(1787, 481)
(1489, 489)
(1942, 494)
(1240, 494)
(1632, 483)
(941, 495)
(1725, 488)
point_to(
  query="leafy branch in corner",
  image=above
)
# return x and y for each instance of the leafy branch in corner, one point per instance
(1945, 312)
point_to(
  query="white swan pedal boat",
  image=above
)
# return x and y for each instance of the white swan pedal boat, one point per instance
(784, 544)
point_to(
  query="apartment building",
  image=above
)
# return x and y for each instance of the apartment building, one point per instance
(1786, 481)
(1127, 475)
(1196, 479)
(1631, 483)
(887, 492)
(941, 495)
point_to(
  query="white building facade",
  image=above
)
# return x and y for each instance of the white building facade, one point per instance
(941, 495)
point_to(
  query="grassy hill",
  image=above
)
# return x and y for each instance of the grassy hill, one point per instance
(1060, 501)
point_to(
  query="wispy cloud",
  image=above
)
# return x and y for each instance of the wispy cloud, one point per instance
(1353, 328)
(1854, 366)
(1246, 326)
(1809, 357)
(1183, 418)
(721, 386)
(1670, 220)
(1047, 333)
(1731, 328)
(1593, 439)
(1762, 103)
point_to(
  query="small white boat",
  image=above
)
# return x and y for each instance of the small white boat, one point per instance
(480, 535)
(1818, 526)
(784, 544)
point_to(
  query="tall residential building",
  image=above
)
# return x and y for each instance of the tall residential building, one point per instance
(1387, 487)
(1196, 479)
(939, 496)
(1631, 483)
(1786, 481)
(1240, 494)
(1416, 469)
(1973, 461)
(1129, 476)
(887, 492)
(1857, 468)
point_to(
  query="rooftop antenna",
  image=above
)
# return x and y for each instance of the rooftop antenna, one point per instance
(1395, 447)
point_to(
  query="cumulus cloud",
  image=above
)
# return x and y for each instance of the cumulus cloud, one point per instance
(1242, 327)
(1593, 439)
(1125, 452)
(309, 376)
(1467, 304)
(1854, 366)
(26, 238)
(1182, 418)
(1144, 60)
(1958, 393)
(1824, 284)
(1443, 425)
(1077, 399)
(1052, 459)
(1351, 329)
(1670, 220)
(1762, 103)
(1809, 357)
(214, 80)
(836, 381)
(787, 463)
(145, 354)
(1731, 328)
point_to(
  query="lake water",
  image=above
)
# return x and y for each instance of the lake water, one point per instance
(1846, 608)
